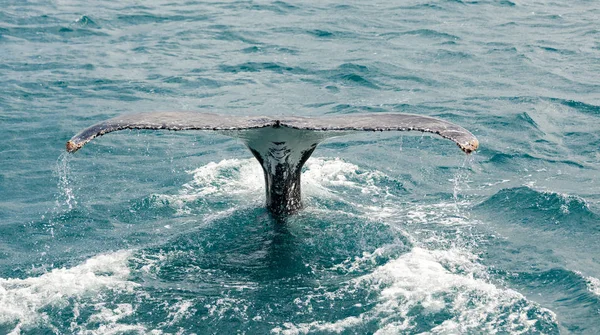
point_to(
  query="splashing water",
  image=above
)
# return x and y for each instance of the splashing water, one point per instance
(66, 197)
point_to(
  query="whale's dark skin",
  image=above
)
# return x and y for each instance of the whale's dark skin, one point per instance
(281, 145)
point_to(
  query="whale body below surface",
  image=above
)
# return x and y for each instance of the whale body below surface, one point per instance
(281, 145)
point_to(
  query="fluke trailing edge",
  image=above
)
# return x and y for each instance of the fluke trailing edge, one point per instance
(281, 145)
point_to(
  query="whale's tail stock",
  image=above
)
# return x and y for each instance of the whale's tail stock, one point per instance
(281, 145)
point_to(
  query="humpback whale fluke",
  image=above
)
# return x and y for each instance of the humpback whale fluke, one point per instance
(281, 145)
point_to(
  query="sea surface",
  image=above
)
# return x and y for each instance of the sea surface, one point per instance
(150, 232)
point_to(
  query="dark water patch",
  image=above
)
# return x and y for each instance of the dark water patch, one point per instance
(452, 56)
(269, 49)
(279, 7)
(354, 67)
(141, 49)
(507, 3)
(146, 18)
(578, 106)
(332, 88)
(330, 34)
(196, 82)
(354, 79)
(258, 67)
(228, 35)
(429, 33)
(288, 51)
(50, 33)
(343, 7)
(497, 157)
(76, 32)
(286, 5)
(558, 51)
(252, 49)
(494, 47)
(593, 32)
(353, 75)
(508, 24)
(321, 33)
(423, 6)
(452, 43)
(546, 210)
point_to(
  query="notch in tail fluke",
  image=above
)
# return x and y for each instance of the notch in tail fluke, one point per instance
(281, 145)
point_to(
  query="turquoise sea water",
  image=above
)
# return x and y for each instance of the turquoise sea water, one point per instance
(165, 233)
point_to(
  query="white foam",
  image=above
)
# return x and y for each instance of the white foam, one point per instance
(108, 321)
(430, 281)
(179, 311)
(322, 175)
(241, 179)
(22, 299)
(592, 283)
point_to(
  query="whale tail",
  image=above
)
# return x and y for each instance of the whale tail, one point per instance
(281, 145)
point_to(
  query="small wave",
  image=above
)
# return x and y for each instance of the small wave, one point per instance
(353, 74)
(592, 283)
(549, 209)
(431, 34)
(330, 34)
(86, 21)
(578, 106)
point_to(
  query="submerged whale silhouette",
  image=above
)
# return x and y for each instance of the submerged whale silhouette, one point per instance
(281, 145)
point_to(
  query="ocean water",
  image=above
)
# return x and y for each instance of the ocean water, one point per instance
(147, 232)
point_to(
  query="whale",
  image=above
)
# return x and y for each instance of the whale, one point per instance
(280, 144)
